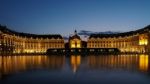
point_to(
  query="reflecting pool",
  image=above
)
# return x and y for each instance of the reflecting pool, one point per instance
(75, 69)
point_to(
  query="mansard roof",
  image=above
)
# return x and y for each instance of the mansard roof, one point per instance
(4, 29)
(130, 33)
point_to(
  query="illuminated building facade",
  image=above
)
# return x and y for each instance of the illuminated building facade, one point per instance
(15, 42)
(75, 41)
(134, 41)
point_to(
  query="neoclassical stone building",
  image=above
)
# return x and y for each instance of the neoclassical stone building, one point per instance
(16, 42)
(75, 41)
(134, 41)
(137, 41)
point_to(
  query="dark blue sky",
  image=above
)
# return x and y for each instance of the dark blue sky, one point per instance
(63, 16)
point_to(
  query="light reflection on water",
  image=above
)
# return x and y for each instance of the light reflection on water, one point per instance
(75, 64)
(12, 64)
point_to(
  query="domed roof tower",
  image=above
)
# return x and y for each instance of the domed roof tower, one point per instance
(75, 41)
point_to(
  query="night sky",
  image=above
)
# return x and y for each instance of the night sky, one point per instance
(64, 16)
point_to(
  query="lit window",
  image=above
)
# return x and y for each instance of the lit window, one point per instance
(143, 39)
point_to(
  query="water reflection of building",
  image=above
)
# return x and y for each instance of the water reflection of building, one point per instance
(135, 62)
(75, 61)
(124, 62)
(12, 64)
(144, 62)
(16, 42)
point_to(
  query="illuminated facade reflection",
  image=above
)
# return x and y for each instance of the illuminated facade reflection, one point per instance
(143, 62)
(75, 62)
(132, 62)
(12, 64)
(124, 62)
